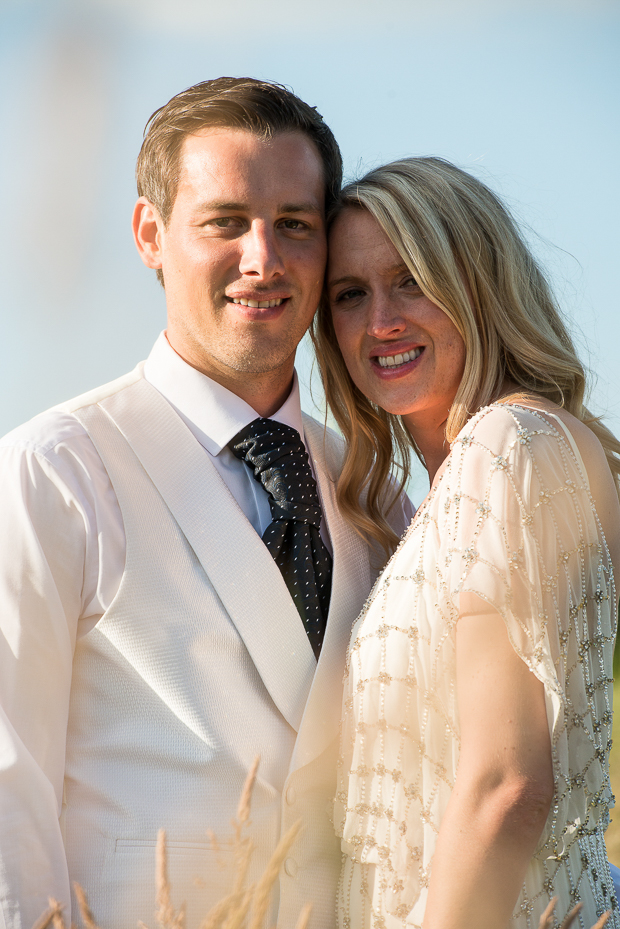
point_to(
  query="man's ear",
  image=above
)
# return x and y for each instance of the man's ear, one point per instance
(147, 232)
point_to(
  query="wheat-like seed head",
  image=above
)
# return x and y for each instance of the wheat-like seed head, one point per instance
(304, 917)
(245, 800)
(265, 884)
(237, 916)
(53, 913)
(85, 912)
(546, 920)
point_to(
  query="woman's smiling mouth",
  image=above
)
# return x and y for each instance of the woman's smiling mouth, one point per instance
(393, 361)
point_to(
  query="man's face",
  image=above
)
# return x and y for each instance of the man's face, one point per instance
(244, 252)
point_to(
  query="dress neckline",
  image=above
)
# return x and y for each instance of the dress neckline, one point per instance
(563, 431)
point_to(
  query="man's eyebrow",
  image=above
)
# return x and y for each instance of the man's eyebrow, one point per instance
(239, 207)
(215, 205)
(301, 208)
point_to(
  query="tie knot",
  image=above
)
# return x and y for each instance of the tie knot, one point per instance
(279, 461)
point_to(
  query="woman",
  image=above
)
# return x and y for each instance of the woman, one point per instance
(477, 711)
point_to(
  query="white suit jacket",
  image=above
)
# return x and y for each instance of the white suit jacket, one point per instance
(200, 663)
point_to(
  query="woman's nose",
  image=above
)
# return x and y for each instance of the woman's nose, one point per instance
(384, 318)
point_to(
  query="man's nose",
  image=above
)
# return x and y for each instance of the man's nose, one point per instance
(260, 255)
(384, 317)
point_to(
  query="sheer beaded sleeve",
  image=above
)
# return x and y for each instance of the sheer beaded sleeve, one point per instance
(511, 519)
(521, 531)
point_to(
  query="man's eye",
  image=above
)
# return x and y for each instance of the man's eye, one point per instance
(293, 224)
(224, 222)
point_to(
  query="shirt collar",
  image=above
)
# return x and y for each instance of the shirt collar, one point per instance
(213, 413)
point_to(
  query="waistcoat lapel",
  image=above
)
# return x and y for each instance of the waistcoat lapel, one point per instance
(236, 561)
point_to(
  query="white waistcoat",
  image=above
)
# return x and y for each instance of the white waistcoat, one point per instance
(200, 663)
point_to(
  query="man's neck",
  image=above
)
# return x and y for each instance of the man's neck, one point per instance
(260, 391)
(264, 392)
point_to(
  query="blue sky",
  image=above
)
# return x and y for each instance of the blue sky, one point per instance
(525, 94)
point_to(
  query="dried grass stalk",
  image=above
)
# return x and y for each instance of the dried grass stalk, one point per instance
(571, 917)
(304, 917)
(238, 915)
(51, 915)
(265, 884)
(85, 911)
(219, 912)
(165, 914)
(603, 920)
(243, 855)
(546, 920)
(245, 800)
(243, 850)
(56, 917)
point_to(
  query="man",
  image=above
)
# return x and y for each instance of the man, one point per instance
(162, 600)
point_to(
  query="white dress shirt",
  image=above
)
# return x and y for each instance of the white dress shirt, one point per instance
(53, 449)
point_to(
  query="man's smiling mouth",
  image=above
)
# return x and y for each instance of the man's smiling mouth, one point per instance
(392, 361)
(258, 304)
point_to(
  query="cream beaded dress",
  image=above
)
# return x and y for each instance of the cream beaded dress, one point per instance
(510, 519)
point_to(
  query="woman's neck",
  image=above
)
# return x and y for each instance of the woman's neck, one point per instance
(430, 438)
(432, 445)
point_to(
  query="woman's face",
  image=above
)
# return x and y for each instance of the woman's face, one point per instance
(400, 349)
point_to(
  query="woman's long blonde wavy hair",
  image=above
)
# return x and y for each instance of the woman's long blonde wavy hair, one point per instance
(468, 256)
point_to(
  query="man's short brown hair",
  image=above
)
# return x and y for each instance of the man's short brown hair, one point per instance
(260, 107)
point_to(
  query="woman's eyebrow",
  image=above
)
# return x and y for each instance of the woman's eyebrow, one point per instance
(350, 278)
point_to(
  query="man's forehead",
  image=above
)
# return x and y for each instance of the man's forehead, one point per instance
(287, 163)
(223, 140)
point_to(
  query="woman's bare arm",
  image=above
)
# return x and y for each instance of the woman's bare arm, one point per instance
(504, 782)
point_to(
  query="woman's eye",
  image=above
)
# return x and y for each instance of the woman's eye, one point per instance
(410, 281)
(351, 294)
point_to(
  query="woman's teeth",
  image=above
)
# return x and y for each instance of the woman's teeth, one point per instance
(261, 304)
(391, 361)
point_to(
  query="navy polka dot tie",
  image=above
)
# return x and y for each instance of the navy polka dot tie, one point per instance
(278, 458)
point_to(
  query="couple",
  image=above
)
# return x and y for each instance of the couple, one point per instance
(152, 644)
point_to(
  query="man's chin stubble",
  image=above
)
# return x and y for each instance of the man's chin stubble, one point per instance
(258, 361)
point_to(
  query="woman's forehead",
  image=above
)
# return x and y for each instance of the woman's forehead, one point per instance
(357, 238)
